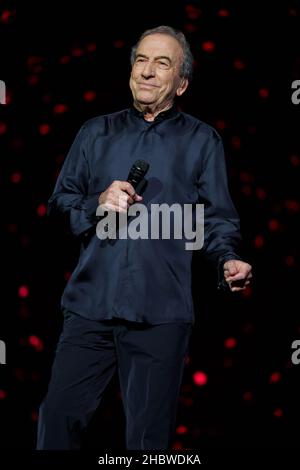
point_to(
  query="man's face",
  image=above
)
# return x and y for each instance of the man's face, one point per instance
(155, 79)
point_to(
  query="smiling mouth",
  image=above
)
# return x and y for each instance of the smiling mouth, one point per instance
(147, 85)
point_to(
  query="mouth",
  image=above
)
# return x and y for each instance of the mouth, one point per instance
(147, 85)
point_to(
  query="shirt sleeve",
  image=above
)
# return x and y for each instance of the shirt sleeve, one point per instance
(71, 198)
(221, 222)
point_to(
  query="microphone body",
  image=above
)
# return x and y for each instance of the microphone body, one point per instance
(137, 172)
(136, 176)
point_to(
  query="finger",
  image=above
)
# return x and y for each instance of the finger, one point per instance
(236, 277)
(123, 205)
(120, 208)
(107, 206)
(121, 199)
(230, 267)
(237, 289)
(125, 186)
(230, 270)
(113, 207)
(120, 203)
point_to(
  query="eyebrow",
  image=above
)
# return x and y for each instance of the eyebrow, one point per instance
(158, 57)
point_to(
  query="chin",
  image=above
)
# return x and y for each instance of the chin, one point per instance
(145, 102)
(145, 98)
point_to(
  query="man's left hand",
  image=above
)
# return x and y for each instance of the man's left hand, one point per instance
(237, 274)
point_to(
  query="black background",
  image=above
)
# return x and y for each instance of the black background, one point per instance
(96, 38)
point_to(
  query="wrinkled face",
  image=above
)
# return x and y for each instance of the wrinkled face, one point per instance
(155, 79)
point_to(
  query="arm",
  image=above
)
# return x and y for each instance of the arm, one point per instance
(71, 198)
(221, 222)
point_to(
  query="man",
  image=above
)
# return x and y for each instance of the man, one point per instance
(128, 304)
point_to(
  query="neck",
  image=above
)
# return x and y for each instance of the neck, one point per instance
(150, 112)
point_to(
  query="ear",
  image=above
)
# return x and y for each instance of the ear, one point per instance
(184, 83)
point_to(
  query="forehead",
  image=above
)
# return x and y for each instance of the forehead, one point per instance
(160, 45)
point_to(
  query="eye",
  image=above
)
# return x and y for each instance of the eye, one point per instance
(163, 64)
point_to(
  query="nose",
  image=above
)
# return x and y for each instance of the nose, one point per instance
(148, 70)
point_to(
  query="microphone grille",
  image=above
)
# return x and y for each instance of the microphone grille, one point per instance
(142, 166)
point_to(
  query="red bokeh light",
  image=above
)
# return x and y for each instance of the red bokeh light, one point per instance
(208, 46)
(290, 261)
(20, 374)
(259, 241)
(119, 43)
(187, 401)
(239, 64)
(200, 378)
(23, 292)
(181, 429)
(247, 190)
(273, 225)
(67, 275)
(295, 160)
(77, 52)
(192, 11)
(16, 177)
(246, 177)
(230, 343)
(221, 124)
(223, 12)
(36, 343)
(44, 129)
(177, 445)
(41, 210)
(248, 396)
(89, 95)
(3, 394)
(3, 128)
(264, 92)
(65, 59)
(247, 292)
(60, 108)
(260, 193)
(6, 16)
(33, 80)
(236, 142)
(275, 377)
(34, 416)
(190, 28)
(91, 47)
(292, 206)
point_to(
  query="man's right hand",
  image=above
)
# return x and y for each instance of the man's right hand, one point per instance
(118, 197)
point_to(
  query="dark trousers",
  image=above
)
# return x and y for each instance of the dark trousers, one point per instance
(150, 363)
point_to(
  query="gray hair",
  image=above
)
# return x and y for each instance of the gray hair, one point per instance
(186, 68)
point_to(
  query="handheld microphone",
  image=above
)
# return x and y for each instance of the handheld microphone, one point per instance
(135, 176)
(137, 172)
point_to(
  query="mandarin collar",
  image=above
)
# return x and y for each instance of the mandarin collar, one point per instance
(161, 116)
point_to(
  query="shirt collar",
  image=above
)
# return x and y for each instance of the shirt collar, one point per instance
(160, 117)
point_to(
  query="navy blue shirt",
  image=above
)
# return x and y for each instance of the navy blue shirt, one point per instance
(143, 280)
